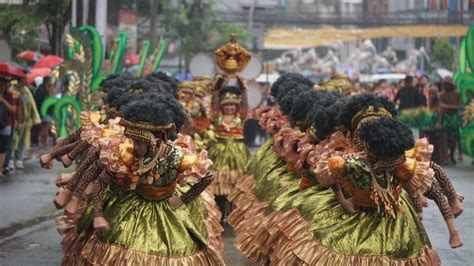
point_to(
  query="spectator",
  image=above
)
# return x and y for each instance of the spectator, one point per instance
(382, 89)
(401, 84)
(356, 88)
(13, 93)
(450, 103)
(41, 93)
(7, 104)
(28, 116)
(370, 87)
(394, 88)
(429, 129)
(425, 86)
(433, 95)
(36, 128)
(408, 97)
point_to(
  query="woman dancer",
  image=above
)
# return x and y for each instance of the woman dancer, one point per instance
(149, 214)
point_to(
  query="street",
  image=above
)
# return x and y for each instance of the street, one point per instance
(28, 235)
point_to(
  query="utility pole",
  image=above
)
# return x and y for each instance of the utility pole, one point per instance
(153, 20)
(251, 12)
(101, 21)
(74, 13)
(85, 12)
(365, 12)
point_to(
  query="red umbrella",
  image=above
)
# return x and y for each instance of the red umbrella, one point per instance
(37, 72)
(48, 61)
(9, 69)
(132, 59)
(30, 55)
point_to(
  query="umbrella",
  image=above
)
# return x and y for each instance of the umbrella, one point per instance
(132, 59)
(9, 69)
(442, 72)
(48, 61)
(30, 55)
(37, 72)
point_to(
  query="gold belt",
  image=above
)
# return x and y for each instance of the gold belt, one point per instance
(154, 192)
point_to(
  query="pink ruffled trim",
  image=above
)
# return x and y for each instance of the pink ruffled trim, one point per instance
(422, 173)
(291, 143)
(278, 140)
(109, 147)
(336, 145)
(91, 131)
(200, 167)
(271, 119)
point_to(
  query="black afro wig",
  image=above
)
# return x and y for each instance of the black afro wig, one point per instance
(116, 97)
(323, 115)
(148, 110)
(360, 102)
(169, 104)
(287, 102)
(168, 83)
(386, 137)
(304, 103)
(229, 89)
(288, 77)
(112, 81)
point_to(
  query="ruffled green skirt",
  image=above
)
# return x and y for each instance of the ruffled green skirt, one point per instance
(146, 231)
(229, 157)
(365, 233)
(311, 227)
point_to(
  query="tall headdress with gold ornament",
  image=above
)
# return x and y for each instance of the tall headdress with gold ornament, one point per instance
(232, 58)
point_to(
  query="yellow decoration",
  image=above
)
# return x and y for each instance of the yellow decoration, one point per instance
(186, 87)
(285, 38)
(188, 162)
(337, 165)
(232, 57)
(126, 152)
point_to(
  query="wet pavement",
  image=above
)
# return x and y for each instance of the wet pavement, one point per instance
(28, 235)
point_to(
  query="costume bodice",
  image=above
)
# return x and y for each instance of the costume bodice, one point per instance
(234, 129)
(360, 181)
(166, 171)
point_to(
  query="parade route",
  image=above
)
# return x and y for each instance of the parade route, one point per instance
(28, 235)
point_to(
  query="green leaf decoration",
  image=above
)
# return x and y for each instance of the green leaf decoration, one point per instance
(63, 114)
(48, 103)
(96, 82)
(158, 55)
(121, 49)
(143, 56)
(470, 46)
(97, 47)
(467, 140)
(462, 56)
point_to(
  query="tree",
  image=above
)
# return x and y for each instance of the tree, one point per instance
(196, 27)
(16, 28)
(54, 14)
(25, 18)
(443, 53)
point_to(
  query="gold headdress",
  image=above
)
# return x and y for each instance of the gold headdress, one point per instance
(145, 131)
(200, 90)
(204, 84)
(232, 57)
(230, 98)
(339, 83)
(368, 114)
(186, 87)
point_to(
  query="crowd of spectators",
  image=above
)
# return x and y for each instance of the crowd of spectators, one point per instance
(21, 125)
(441, 99)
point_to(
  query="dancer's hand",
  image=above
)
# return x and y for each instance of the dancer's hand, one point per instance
(175, 202)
